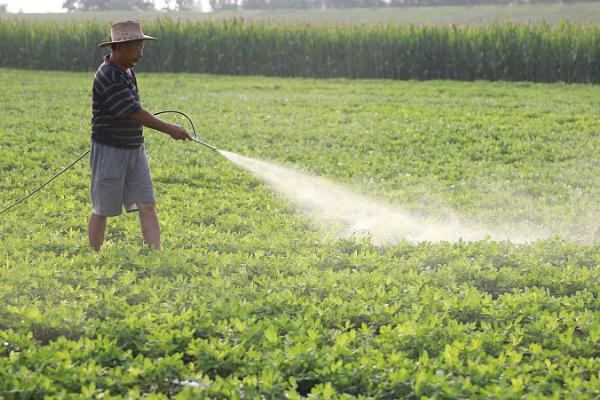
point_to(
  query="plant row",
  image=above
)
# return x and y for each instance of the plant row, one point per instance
(569, 52)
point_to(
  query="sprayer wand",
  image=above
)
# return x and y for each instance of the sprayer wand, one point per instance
(195, 137)
(205, 144)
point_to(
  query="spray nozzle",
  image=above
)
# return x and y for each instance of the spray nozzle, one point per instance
(195, 139)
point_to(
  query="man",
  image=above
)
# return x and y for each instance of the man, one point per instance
(120, 173)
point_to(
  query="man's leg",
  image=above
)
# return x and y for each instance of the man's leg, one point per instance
(149, 224)
(96, 229)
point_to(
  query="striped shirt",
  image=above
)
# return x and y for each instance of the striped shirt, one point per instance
(115, 97)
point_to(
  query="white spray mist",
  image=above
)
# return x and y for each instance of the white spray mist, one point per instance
(358, 214)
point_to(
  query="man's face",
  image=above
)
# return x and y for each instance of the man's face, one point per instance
(131, 52)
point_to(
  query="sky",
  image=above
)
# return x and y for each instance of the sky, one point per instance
(44, 6)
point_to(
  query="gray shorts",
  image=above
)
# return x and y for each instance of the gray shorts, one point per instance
(120, 179)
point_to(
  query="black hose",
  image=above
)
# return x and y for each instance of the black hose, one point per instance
(180, 113)
(87, 152)
(194, 138)
(47, 182)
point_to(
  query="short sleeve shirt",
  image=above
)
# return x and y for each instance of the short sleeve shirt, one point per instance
(114, 98)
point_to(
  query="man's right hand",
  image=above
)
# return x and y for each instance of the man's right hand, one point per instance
(178, 132)
(145, 118)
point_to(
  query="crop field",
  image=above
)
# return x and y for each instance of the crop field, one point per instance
(505, 51)
(443, 15)
(251, 299)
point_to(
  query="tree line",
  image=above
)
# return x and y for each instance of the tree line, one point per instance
(333, 4)
(127, 5)
(182, 5)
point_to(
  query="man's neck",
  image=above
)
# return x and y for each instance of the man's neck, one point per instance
(115, 59)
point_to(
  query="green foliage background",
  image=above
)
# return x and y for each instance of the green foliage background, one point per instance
(248, 299)
(569, 52)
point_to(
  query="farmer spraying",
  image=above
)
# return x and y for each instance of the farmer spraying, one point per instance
(120, 172)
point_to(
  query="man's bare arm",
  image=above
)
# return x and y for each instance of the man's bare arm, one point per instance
(150, 121)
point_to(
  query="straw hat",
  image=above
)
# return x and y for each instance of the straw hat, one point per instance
(125, 31)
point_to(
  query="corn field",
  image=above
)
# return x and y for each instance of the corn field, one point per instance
(569, 52)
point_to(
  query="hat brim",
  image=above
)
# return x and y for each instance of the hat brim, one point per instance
(145, 37)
